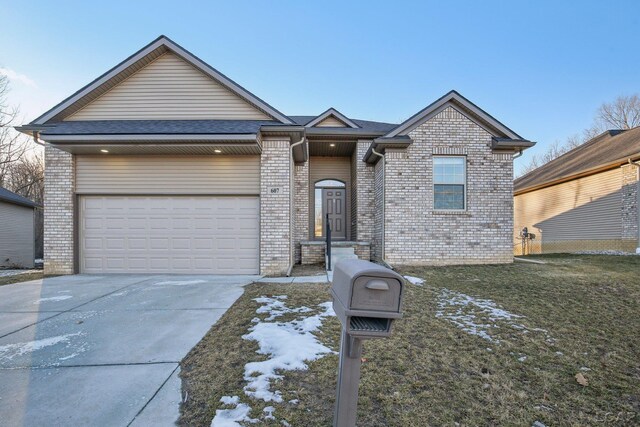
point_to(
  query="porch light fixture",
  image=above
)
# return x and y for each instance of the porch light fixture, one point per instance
(104, 151)
(332, 145)
(217, 151)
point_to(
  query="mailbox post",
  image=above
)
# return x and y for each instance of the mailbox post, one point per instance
(367, 298)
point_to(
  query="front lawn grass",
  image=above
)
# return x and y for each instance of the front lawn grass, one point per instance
(433, 373)
(17, 278)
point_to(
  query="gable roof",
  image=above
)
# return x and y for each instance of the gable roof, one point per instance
(607, 150)
(134, 63)
(336, 114)
(369, 126)
(16, 199)
(465, 106)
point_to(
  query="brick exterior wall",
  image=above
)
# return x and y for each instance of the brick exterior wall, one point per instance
(301, 207)
(363, 252)
(313, 254)
(59, 209)
(630, 201)
(275, 209)
(364, 194)
(417, 234)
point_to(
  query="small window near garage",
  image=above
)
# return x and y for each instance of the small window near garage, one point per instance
(449, 183)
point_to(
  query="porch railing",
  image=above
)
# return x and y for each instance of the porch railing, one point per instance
(328, 236)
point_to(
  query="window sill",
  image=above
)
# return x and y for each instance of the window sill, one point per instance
(451, 212)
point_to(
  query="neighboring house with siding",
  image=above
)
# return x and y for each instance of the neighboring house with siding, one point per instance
(163, 164)
(585, 200)
(17, 241)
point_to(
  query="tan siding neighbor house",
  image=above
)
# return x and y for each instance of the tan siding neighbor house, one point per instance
(165, 165)
(586, 200)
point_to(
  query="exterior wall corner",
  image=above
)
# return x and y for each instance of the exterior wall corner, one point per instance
(59, 212)
(276, 236)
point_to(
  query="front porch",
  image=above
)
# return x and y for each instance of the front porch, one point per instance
(314, 251)
(335, 185)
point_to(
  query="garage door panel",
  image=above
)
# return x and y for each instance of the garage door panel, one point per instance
(208, 235)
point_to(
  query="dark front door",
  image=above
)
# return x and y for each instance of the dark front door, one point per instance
(333, 203)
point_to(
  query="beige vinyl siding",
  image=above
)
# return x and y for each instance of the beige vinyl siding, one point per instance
(16, 236)
(329, 168)
(331, 121)
(588, 208)
(108, 174)
(169, 89)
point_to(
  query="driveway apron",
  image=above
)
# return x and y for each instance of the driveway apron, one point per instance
(103, 350)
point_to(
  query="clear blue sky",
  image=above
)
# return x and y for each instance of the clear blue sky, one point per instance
(540, 67)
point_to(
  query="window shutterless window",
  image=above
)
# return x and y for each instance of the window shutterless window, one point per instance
(449, 183)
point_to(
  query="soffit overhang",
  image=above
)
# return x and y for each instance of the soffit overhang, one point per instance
(380, 145)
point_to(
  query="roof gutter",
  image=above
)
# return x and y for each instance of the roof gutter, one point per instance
(379, 145)
(301, 152)
(506, 144)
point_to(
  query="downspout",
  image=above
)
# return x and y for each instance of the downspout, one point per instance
(637, 200)
(291, 258)
(518, 154)
(35, 139)
(384, 167)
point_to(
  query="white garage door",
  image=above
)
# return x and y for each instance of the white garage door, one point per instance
(182, 234)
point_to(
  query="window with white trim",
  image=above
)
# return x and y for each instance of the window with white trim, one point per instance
(449, 183)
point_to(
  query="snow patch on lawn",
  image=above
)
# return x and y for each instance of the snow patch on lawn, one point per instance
(53, 299)
(276, 307)
(9, 351)
(233, 417)
(269, 413)
(15, 272)
(478, 316)
(415, 280)
(230, 400)
(288, 345)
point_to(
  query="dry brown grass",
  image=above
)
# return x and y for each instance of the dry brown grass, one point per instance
(308, 270)
(8, 280)
(432, 373)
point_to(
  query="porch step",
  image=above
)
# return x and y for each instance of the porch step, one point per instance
(338, 253)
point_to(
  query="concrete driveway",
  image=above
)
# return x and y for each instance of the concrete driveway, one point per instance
(103, 350)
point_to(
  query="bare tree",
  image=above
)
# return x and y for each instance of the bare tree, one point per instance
(555, 150)
(13, 145)
(622, 113)
(21, 168)
(26, 177)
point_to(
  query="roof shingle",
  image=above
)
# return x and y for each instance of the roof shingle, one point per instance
(136, 127)
(608, 148)
(16, 199)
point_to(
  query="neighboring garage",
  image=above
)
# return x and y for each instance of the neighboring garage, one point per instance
(161, 214)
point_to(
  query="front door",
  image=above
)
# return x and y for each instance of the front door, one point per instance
(333, 204)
